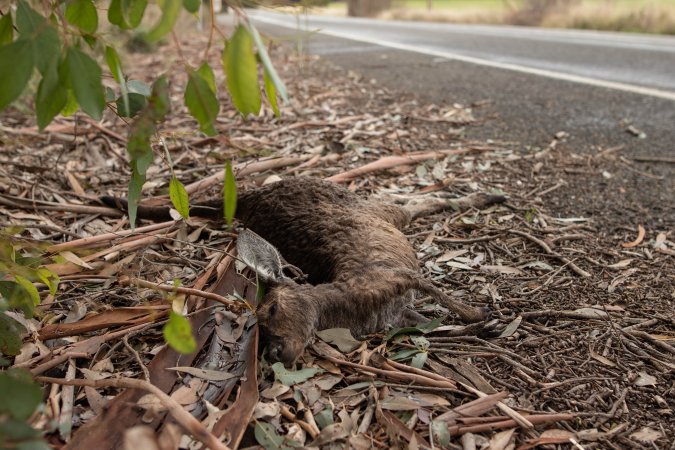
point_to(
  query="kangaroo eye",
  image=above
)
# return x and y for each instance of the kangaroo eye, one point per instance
(273, 309)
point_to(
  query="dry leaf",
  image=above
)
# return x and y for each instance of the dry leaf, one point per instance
(646, 435)
(644, 379)
(638, 240)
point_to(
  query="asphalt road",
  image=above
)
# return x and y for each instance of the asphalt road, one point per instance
(643, 63)
(532, 83)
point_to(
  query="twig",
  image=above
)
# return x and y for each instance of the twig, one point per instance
(657, 159)
(128, 281)
(397, 375)
(576, 269)
(184, 418)
(146, 373)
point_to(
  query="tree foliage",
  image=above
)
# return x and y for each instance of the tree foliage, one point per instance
(59, 46)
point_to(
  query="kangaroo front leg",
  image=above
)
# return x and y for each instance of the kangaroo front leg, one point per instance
(465, 312)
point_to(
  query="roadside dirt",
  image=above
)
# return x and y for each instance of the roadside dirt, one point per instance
(582, 297)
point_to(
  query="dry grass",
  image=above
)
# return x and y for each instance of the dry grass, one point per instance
(649, 16)
(610, 16)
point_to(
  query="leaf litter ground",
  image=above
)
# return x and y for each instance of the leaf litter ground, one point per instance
(585, 353)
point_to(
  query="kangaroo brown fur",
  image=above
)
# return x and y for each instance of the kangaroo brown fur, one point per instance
(360, 266)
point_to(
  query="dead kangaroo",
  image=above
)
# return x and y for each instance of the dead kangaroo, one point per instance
(361, 269)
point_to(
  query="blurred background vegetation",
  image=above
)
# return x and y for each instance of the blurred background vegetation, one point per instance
(646, 16)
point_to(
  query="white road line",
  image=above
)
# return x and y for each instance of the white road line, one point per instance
(625, 87)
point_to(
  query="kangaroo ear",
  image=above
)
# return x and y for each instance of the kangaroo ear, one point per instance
(260, 256)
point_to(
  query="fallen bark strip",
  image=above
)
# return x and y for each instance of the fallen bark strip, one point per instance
(184, 418)
(22, 203)
(389, 162)
(535, 419)
(107, 237)
(244, 169)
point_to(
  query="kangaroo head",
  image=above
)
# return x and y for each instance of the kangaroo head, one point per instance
(287, 313)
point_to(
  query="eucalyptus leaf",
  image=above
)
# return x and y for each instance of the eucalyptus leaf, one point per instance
(206, 72)
(271, 93)
(135, 103)
(16, 68)
(36, 29)
(178, 334)
(82, 14)
(242, 73)
(51, 96)
(179, 198)
(191, 6)
(114, 64)
(26, 395)
(292, 377)
(201, 102)
(170, 11)
(229, 194)
(6, 28)
(126, 14)
(267, 63)
(85, 80)
(139, 87)
(10, 335)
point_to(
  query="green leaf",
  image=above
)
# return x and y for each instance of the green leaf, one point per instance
(229, 194)
(135, 103)
(138, 146)
(85, 80)
(201, 102)
(71, 104)
(242, 74)
(267, 63)
(160, 103)
(45, 42)
(16, 68)
(178, 334)
(17, 434)
(191, 6)
(82, 14)
(26, 395)
(419, 329)
(404, 354)
(179, 198)
(324, 418)
(30, 288)
(126, 14)
(206, 73)
(138, 87)
(291, 377)
(114, 64)
(419, 359)
(170, 10)
(340, 337)
(51, 96)
(267, 436)
(49, 278)
(28, 21)
(17, 297)
(271, 93)
(10, 335)
(6, 29)
(440, 430)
